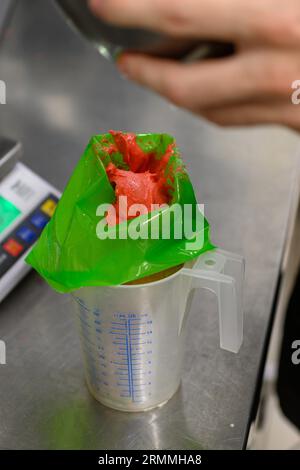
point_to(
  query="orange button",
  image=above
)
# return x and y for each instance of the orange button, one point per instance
(49, 207)
(13, 248)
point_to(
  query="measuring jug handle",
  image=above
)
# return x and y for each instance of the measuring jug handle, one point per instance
(223, 273)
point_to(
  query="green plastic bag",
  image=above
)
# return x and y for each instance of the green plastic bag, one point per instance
(70, 254)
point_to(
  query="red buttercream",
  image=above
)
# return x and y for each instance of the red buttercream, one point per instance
(145, 181)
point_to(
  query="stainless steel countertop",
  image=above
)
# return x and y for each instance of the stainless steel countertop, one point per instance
(59, 93)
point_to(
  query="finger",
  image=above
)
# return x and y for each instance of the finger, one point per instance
(213, 19)
(250, 74)
(255, 113)
(191, 86)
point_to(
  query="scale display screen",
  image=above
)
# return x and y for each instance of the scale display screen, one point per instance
(8, 213)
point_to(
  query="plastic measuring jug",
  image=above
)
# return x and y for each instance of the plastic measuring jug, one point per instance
(133, 336)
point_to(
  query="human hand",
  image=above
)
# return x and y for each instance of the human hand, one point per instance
(252, 86)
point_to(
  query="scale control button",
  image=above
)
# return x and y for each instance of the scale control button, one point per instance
(39, 220)
(49, 207)
(26, 234)
(13, 248)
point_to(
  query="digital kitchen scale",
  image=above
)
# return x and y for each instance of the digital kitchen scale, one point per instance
(27, 203)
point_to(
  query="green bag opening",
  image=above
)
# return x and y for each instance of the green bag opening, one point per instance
(81, 247)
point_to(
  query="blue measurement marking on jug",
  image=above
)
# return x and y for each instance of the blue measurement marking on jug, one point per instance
(93, 351)
(133, 353)
(118, 352)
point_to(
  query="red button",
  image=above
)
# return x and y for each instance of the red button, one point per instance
(13, 248)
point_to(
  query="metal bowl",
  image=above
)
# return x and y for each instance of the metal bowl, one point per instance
(112, 40)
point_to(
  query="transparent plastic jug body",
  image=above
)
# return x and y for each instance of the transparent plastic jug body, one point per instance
(133, 336)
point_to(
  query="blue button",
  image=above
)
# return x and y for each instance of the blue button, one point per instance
(26, 234)
(39, 220)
